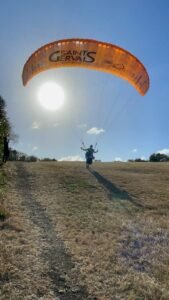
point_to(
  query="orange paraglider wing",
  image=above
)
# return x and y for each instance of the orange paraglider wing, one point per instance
(90, 54)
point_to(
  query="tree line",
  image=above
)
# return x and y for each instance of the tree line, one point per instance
(155, 157)
(19, 156)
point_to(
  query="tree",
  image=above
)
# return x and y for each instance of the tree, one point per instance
(13, 155)
(32, 158)
(157, 157)
(5, 127)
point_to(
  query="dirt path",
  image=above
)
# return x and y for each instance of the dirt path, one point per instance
(47, 271)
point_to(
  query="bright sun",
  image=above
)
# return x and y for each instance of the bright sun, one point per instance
(51, 96)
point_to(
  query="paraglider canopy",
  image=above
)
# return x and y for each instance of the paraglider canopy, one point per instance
(87, 53)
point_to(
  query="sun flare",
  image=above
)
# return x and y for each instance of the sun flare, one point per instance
(51, 96)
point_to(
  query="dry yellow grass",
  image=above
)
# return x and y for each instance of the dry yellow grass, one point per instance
(20, 261)
(3, 211)
(114, 222)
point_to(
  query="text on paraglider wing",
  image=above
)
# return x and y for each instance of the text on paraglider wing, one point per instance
(73, 56)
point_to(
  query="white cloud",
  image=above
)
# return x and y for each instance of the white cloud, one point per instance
(95, 130)
(164, 151)
(35, 125)
(118, 159)
(71, 158)
(134, 150)
(35, 148)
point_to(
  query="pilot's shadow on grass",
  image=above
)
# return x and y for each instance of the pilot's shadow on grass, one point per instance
(113, 190)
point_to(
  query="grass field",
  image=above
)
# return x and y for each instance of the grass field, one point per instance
(114, 221)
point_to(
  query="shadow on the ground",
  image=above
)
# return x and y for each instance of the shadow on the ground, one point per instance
(113, 191)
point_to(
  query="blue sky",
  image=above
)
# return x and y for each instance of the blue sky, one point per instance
(135, 126)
